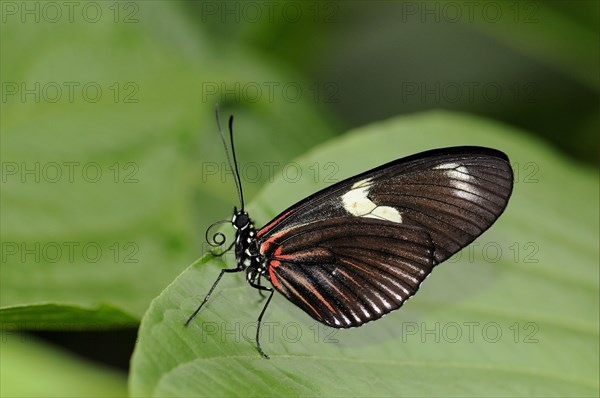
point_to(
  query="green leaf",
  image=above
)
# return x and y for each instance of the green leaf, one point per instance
(62, 317)
(515, 314)
(99, 196)
(31, 368)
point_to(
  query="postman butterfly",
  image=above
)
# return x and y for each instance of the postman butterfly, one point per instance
(359, 249)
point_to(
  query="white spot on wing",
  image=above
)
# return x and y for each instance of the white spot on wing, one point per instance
(346, 319)
(386, 213)
(357, 203)
(460, 178)
(445, 166)
(362, 183)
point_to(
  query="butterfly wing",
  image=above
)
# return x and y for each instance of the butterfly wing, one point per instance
(358, 249)
(345, 272)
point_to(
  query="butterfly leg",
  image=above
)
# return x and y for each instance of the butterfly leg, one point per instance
(210, 292)
(260, 291)
(271, 291)
(224, 251)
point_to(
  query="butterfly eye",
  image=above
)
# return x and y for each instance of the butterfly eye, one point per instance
(241, 220)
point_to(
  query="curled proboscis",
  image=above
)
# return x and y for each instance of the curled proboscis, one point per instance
(218, 238)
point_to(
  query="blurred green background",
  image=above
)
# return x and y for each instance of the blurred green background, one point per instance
(112, 167)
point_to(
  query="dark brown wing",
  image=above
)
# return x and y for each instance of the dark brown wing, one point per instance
(352, 252)
(347, 271)
(455, 201)
(455, 194)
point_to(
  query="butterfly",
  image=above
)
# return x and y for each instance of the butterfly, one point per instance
(357, 250)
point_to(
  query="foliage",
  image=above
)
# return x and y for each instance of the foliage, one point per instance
(510, 320)
(85, 251)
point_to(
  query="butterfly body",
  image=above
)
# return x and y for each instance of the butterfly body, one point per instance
(359, 249)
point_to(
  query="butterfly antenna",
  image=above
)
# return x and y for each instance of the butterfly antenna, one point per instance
(236, 177)
(237, 173)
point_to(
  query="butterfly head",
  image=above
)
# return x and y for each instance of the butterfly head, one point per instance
(240, 219)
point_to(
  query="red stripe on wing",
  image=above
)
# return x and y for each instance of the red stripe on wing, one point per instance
(267, 227)
(273, 264)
